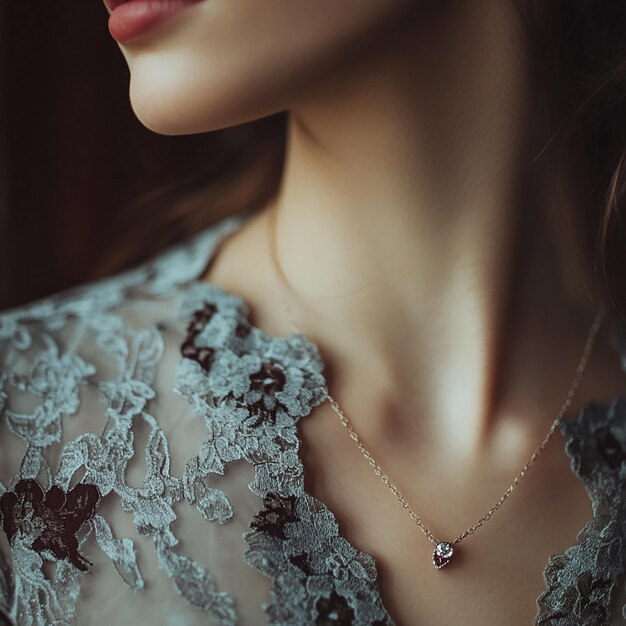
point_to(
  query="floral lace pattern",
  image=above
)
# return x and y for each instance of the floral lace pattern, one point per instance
(53, 518)
(88, 379)
(582, 581)
(323, 579)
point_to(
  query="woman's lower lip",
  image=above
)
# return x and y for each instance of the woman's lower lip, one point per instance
(135, 17)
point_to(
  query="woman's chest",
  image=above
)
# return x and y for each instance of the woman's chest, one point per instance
(496, 574)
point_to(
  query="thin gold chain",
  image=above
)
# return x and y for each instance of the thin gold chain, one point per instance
(595, 327)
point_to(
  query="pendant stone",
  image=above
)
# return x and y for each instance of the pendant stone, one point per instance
(442, 554)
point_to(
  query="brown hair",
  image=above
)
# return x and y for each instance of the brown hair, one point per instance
(238, 169)
(578, 57)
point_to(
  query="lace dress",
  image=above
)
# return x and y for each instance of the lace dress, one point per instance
(150, 471)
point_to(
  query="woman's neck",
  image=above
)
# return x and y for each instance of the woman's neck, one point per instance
(419, 243)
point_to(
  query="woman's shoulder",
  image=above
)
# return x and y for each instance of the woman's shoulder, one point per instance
(51, 346)
(62, 353)
(122, 402)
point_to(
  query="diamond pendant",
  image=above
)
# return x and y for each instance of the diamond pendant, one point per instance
(442, 554)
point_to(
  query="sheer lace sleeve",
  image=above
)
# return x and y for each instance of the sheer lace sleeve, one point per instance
(119, 500)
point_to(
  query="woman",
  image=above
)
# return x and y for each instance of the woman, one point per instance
(168, 453)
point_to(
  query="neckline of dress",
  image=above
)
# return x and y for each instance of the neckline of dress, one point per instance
(211, 240)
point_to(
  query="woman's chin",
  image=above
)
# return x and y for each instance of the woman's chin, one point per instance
(174, 104)
(164, 106)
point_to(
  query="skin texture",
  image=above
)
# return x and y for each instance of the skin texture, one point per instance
(221, 63)
(419, 231)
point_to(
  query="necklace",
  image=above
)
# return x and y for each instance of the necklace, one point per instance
(444, 550)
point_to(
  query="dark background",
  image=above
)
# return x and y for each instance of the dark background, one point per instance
(72, 153)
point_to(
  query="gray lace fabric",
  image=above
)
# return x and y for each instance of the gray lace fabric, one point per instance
(150, 471)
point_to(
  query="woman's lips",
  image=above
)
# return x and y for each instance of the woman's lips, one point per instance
(112, 4)
(130, 18)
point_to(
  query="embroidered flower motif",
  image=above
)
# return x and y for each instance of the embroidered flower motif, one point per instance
(229, 376)
(584, 602)
(580, 582)
(319, 577)
(199, 319)
(251, 397)
(56, 379)
(276, 512)
(265, 384)
(588, 590)
(290, 377)
(51, 518)
(333, 611)
(597, 448)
